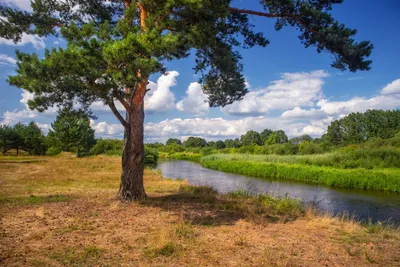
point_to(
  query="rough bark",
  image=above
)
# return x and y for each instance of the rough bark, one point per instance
(131, 187)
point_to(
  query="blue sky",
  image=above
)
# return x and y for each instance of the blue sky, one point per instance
(291, 87)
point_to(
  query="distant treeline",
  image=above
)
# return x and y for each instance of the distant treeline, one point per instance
(72, 132)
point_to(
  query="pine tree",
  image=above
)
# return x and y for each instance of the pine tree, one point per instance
(114, 46)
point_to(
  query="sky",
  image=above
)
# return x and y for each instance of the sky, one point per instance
(290, 87)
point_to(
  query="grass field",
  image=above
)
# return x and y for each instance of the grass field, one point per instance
(294, 168)
(62, 211)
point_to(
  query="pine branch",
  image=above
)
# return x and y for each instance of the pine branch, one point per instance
(114, 110)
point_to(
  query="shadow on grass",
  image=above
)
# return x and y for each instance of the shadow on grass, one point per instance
(204, 206)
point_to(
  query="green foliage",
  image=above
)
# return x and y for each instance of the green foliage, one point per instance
(265, 134)
(356, 128)
(251, 138)
(53, 151)
(277, 137)
(22, 137)
(107, 146)
(195, 142)
(219, 144)
(173, 141)
(306, 147)
(72, 132)
(301, 139)
(379, 179)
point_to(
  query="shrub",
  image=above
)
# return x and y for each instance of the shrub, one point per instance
(53, 151)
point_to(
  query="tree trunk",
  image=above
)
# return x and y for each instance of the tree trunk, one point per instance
(131, 187)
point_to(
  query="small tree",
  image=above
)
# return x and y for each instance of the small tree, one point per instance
(219, 144)
(251, 138)
(71, 131)
(34, 140)
(8, 138)
(111, 56)
(277, 137)
(173, 141)
(265, 134)
(195, 142)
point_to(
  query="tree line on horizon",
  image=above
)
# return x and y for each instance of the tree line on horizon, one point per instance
(71, 132)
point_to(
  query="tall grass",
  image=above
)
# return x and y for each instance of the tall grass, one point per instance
(344, 159)
(376, 179)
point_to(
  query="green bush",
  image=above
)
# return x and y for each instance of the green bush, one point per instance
(53, 151)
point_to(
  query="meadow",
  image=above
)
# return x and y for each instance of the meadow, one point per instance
(63, 211)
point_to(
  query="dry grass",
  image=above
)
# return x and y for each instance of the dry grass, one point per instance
(63, 212)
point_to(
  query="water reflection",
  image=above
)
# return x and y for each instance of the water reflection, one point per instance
(382, 206)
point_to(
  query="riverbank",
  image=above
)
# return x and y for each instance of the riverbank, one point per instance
(258, 166)
(73, 200)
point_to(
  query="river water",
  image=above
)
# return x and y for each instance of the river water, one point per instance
(377, 206)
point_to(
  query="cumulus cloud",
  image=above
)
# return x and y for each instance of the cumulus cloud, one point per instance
(25, 114)
(392, 88)
(359, 104)
(35, 40)
(195, 101)
(299, 113)
(160, 98)
(7, 60)
(292, 90)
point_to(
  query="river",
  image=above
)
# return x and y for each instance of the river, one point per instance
(377, 206)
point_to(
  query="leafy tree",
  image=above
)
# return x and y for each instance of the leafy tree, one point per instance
(8, 138)
(71, 130)
(265, 134)
(173, 141)
(19, 143)
(277, 137)
(300, 139)
(111, 56)
(195, 142)
(251, 138)
(219, 144)
(33, 139)
(357, 127)
(211, 144)
(229, 143)
(237, 143)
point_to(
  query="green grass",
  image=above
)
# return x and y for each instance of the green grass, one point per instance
(196, 157)
(358, 158)
(32, 200)
(375, 179)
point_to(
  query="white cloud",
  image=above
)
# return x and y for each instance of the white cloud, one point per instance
(7, 60)
(160, 98)
(299, 113)
(103, 129)
(392, 88)
(35, 40)
(294, 89)
(359, 104)
(21, 4)
(195, 101)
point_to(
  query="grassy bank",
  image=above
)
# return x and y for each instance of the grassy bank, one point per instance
(196, 157)
(72, 200)
(284, 167)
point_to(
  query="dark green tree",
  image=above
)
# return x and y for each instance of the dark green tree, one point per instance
(8, 138)
(34, 140)
(277, 137)
(71, 131)
(265, 134)
(229, 143)
(19, 144)
(173, 141)
(219, 144)
(195, 142)
(111, 56)
(251, 138)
